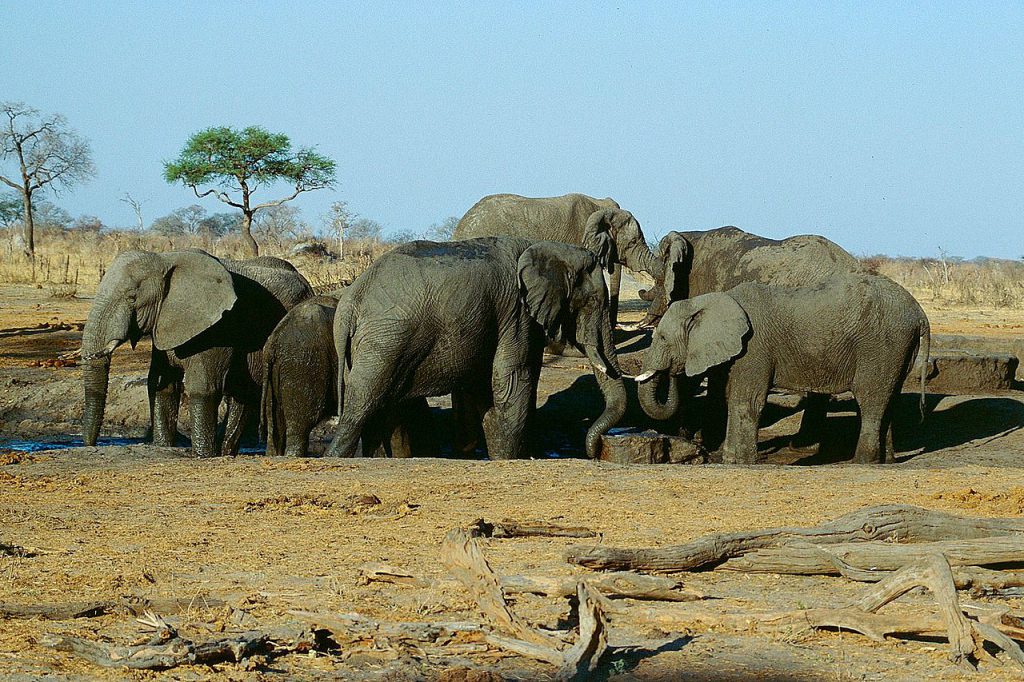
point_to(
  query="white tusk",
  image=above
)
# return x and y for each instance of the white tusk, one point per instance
(601, 368)
(103, 353)
(643, 377)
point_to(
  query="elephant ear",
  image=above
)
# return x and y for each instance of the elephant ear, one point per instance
(197, 292)
(716, 331)
(598, 237)
(675, 252)
(545, 280)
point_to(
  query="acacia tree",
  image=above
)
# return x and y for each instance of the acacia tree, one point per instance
(244, 161)
(49, 154)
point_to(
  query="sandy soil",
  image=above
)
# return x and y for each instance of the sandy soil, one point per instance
(268, 535)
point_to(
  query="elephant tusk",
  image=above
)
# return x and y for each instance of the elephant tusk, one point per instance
(640, 378)
(104, 352)
(601, 368)
(635, 326)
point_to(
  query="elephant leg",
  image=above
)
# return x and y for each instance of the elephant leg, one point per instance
(416, 422)
(714, 418)
(875, 397)
(375, 440)
(505, 423)
(164, 387)
(812, 424)
(238, 415)
(745, 406)
(468, 409)
(615, 281)
(367, 386)
(203, 412)
(296, 439)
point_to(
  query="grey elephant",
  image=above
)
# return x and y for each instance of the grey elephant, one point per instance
(471, 318)
(208, 319)
(701, 262)
(600, 225)
(300, 370)
(858, 333)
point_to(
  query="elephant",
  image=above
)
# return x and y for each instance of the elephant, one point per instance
(701, 262)
(573, 219)
(471, 318)
(858, 333)
(208, 319)
(300, 369)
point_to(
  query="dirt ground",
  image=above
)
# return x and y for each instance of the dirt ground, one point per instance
(269, 535)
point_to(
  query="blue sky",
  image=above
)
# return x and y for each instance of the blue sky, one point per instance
(889, 127)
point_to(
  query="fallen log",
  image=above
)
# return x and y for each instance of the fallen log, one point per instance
(462, 555)
(933, 572)
(518, 529)
(461, 552)
(611, 585)
(808, 559)
(352, 627)
(891, 523)
(134, 606)
(158, 656)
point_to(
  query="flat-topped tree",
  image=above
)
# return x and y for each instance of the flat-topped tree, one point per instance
(244, 161)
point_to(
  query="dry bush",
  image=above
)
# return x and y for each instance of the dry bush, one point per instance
(986, 282)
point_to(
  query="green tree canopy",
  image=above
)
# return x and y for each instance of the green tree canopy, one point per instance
(238, 163)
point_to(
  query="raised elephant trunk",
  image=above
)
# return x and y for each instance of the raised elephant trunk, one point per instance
(639, 258)
(104, 330)
(611, 385)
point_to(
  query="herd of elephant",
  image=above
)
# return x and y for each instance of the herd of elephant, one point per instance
(472, 318)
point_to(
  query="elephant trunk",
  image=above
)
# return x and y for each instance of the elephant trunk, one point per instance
(611, 384)
(639, 258)
(95, 375)
(98, 342)
(655, 409)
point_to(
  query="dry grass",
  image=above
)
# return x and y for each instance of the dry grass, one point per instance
(73, 262)
(69, 263)
(990, 282)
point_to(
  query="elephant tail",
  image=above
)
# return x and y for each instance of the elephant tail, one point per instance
(344, 327)
(924, 352)
(270, 427)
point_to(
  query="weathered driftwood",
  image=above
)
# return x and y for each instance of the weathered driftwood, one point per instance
(518, 529)
(134, 606)
(160, 655)
(808, 559)
(578, 660)
(461, 552)
(352, 627)
(933, 572)
(612, 585)
(892, 523)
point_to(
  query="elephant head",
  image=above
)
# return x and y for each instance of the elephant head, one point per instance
(615, 236)
(563, 289)
(693, 336)
(173, 296)
(675, 255)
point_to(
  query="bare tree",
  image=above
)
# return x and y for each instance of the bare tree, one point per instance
(49, 154)
(136, 207)
(338, 219)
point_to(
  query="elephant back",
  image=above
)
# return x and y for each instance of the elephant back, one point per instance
(560, 219)
(728, 256)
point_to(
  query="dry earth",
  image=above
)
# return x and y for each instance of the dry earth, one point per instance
(268, 535)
